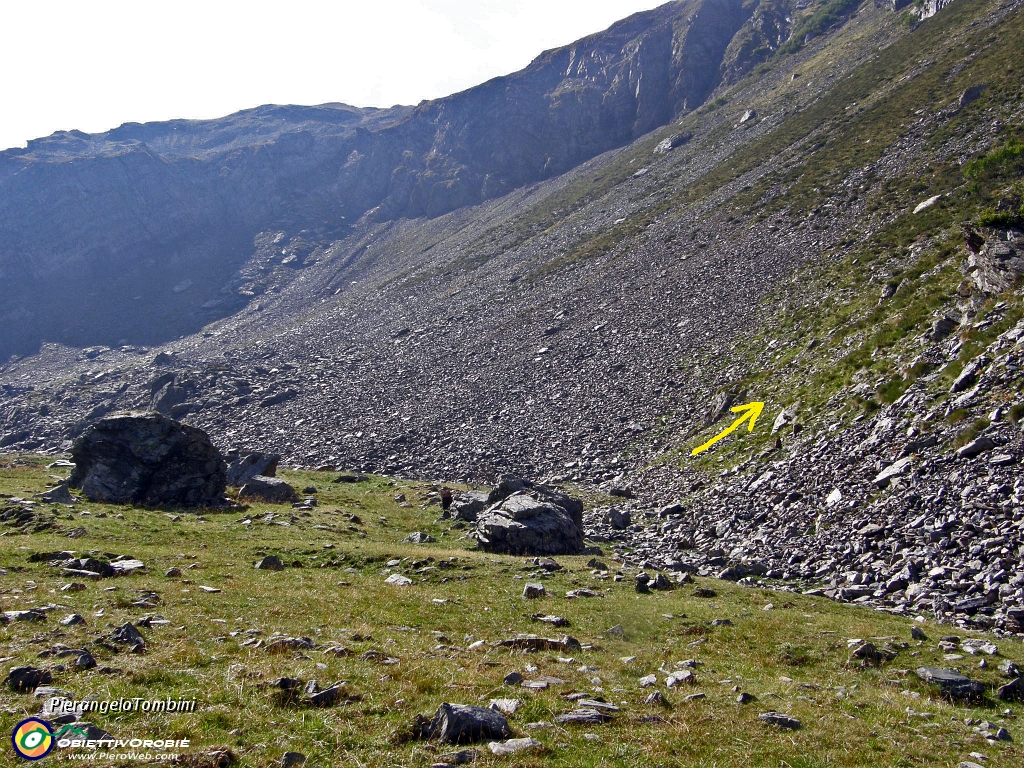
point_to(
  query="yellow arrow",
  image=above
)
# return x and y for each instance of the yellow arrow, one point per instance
(750, 411)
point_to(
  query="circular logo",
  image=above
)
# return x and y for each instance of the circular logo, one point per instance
(32, 739)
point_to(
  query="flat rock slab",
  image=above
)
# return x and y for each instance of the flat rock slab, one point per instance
(583, 717)
(779, 719)
(506, 706)
(952, 683)
(512, 746)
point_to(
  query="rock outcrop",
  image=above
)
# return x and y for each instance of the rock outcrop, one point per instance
(147, 459)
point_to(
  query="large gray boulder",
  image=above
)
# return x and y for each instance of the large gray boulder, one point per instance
(524, 525)
(242, 469)
(147, 459)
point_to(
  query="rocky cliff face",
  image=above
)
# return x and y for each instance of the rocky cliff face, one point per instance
(138, 235)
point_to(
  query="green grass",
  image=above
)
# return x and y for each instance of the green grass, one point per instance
(794, 658)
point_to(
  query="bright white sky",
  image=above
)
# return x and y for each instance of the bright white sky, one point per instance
(94, 65)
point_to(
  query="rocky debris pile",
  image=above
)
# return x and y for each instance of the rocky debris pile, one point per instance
(528, 519)
(89, 567)
(918, 508)
(147, 459)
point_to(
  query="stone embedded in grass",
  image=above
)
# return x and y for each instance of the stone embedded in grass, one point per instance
(648, 681)
(535, 643)
(270, 563)
(74, 620)
(1012, 691)
(583, 717)
(293, 760)
(779, 719)
(583, 592)
(533, 590)
(271, 490)
(398, 580)
(506, 706)
(26, 679)
(32, 614)
(461, 724)
(683, 677)
(284, 644)
(656, 698)
(513, 678)
(704, 592)
(952, 683)
(556, 621)
(975, 646)
(419, 537)
(85, 660)
(462, 757)
(512, 746)
(127, 634)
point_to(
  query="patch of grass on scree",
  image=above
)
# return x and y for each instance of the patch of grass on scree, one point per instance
(793, 658)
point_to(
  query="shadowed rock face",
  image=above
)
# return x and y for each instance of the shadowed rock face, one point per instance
(148, 459)
(143, 233)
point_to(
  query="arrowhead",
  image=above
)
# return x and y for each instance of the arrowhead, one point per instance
(751, 411)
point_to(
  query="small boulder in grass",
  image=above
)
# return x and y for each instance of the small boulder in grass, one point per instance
(27, 679)
(779, 719)
(533, 590)
(461, 724)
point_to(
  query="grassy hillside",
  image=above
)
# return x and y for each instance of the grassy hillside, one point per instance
(790, 651)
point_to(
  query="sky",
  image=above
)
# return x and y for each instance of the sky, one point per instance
(93, 66)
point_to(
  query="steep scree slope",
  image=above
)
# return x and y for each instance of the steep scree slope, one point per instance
(138, 235)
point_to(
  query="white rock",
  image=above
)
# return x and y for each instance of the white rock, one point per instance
(512, 746)
(927, 203)
(398, 580)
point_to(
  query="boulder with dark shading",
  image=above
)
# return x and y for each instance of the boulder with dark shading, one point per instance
(147, 459)
(523, 525)
(460, 724)
(241, 470)
(272, 490)
(951, 683)
(25, 679)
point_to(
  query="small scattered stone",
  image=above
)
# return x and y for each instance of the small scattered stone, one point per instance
(533, 590)
(512, 746)
(779, 719)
